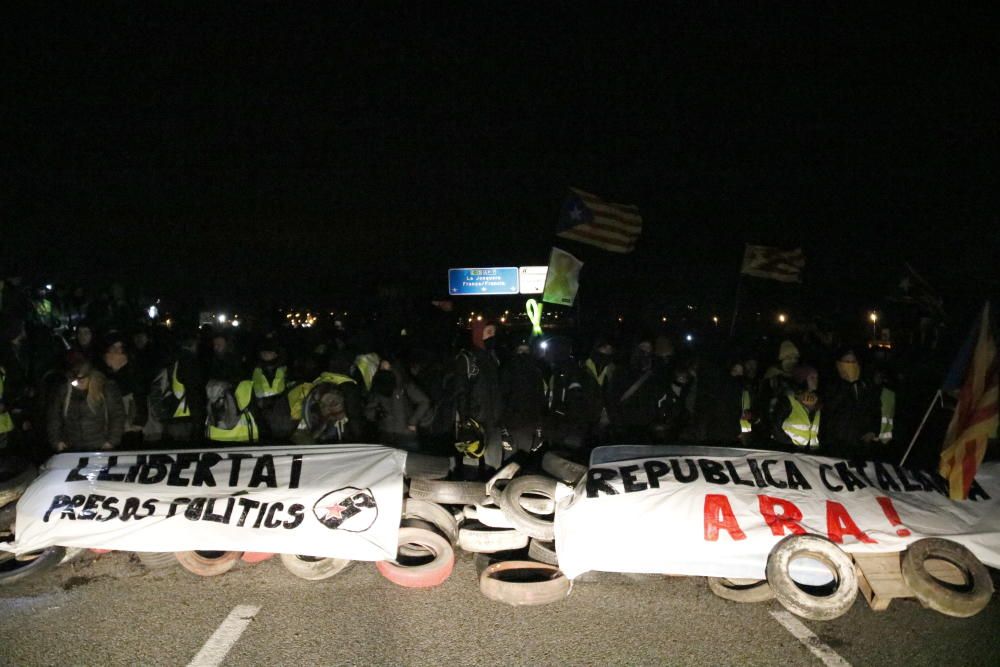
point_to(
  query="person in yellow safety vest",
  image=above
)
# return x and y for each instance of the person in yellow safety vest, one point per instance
(796, 418)
(245, 429)
(599, 370)
(883, 379)
(269, 376)
(367, 365)
(188, 386)
(338, 375)
(6, 421)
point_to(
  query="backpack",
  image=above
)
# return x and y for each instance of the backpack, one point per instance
(223, 412)
(162, 401)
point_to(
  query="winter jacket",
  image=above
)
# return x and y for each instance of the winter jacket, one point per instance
(477, 387)
(406, 407)
(522, 390)
(83, 427)
(850, 409)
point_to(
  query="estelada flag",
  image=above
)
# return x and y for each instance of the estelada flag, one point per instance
(773, 263)
(587, 218)
(976, 417)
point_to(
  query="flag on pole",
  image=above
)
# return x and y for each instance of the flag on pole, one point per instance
(563, 278)
(975, 418)
(773, 263)
(589, 219)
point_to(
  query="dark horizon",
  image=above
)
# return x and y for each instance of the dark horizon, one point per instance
(256, 153)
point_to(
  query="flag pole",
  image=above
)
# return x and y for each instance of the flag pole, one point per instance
(923, 421)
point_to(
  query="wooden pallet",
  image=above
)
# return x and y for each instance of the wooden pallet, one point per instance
(881, 581)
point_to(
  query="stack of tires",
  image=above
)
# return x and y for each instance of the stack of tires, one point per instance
(823, 603)
(507, 522)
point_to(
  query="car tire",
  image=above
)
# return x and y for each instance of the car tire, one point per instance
(425, 575)
(431, 512)
(563, 469)
(208, 563)
(741, 590)
(523, 520)
(313, 568)
(13, 570)
(156, 560)
(803, 603)
(504, 581)
(425, 466)
(492, 516)
(480, 539)
(543, 552)
(448, 493)
(961, 602)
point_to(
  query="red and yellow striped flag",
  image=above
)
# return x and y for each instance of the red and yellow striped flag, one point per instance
(976, 417)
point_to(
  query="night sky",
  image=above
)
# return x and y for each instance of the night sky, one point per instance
(239, 150)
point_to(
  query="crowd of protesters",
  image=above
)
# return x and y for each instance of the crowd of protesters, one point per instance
(100, 374)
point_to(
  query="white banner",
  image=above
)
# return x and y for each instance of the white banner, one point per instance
(705, 511)
(342, 501)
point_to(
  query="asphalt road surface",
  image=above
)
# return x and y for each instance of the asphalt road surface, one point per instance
(109, 610)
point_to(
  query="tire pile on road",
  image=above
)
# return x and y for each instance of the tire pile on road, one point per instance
(507, 522)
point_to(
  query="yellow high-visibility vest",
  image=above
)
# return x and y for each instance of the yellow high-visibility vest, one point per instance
(297, 394)
(262, 388)
(745, 425)
(367, 365)
(6, 422)
(246, 428)
(601, 377)
(180, 392)
(803, 431)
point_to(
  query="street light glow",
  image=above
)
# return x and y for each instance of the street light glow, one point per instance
(782, 318)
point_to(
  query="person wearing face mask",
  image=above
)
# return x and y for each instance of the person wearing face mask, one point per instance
(270, 385)
(852, 412)
(635, 392)
(522, 389)
(476, 387)
(596, 379)
(795, 419)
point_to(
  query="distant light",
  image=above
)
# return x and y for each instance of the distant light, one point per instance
(236, 323)
(621, 319)
(48, 286)
(503, 319)
(221, 318)
(873, 316)
(663, 319)
(715, 319)
(479, 318)
(402, 332)
(689, 338)
(544, 345)
(782, 318)
(168, 322)
(152, 311)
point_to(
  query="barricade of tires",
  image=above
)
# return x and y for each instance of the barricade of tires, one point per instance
(823, 603)
(507, 522)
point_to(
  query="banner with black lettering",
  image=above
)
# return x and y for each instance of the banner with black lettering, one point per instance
(341, 501)
(707, 511)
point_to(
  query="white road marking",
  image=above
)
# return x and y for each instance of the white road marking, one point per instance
(827, 655)
(218, 645)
